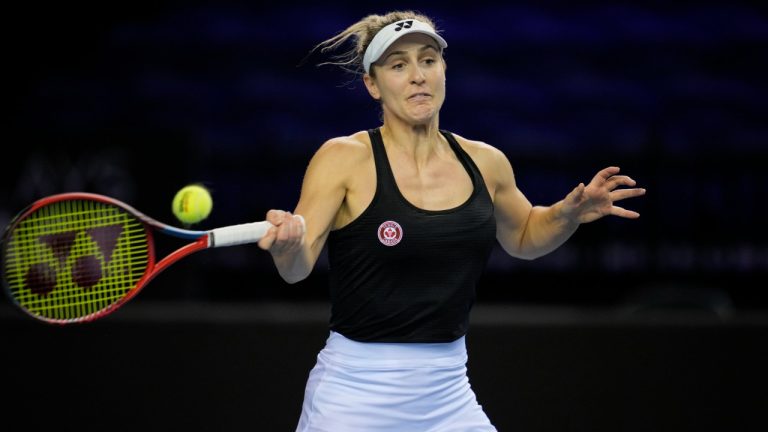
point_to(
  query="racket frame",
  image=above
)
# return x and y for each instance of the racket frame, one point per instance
(199, 240)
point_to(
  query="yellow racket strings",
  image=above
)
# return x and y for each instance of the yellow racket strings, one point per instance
(71, 259)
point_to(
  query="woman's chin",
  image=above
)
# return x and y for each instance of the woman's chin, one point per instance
(423, 115)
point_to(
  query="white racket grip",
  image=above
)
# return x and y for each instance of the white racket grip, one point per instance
(238, 234)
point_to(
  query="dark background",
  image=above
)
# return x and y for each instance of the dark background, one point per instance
(136, 100)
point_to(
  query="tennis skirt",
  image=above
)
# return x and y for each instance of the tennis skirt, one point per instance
(394, 387)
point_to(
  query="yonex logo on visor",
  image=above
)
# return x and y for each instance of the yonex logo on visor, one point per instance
(392, 32)
(403, 24)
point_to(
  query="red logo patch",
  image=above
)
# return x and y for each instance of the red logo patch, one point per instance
(390, 233)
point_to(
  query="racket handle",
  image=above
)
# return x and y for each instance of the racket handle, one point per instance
(238, 234)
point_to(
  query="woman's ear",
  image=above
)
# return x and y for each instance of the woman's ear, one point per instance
(370, 84)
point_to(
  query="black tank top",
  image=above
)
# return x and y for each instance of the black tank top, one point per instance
(399, 273)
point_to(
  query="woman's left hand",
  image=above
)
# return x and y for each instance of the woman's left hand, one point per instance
(595, 200)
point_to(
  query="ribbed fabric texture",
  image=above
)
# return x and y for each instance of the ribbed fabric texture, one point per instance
(403, 274)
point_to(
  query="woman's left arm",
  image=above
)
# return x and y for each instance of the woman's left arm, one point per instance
(527, 231)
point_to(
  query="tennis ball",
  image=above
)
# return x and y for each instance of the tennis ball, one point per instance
(192, 204)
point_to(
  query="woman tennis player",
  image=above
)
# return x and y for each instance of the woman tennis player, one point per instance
(410, 213)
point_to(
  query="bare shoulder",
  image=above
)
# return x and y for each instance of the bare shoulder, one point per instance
(343, 150)
(340, 159)
(487, 157)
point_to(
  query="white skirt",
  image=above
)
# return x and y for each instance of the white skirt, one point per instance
(394, 387)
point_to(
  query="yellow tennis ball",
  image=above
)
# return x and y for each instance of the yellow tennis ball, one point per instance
(192, 204)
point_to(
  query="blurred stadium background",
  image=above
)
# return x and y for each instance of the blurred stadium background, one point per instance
(135, 101)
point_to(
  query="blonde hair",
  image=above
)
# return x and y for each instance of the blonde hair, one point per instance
(362, 33)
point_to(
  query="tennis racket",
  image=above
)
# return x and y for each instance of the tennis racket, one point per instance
(77, 257)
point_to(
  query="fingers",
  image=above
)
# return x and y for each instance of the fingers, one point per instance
(287, 233)
(605, 173)
(577, 191)
(276, 217)
(622, 212)
(576, 194)
(621, 194)
(619, 180)
(608, 178)
(292, 229)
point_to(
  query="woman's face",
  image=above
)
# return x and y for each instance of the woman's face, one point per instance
(410, 79)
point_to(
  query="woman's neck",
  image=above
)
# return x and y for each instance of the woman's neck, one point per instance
(419, 142)
(413, 138)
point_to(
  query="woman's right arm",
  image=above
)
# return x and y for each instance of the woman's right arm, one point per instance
(296, 240)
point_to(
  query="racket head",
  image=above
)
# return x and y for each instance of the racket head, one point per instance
(76, 257)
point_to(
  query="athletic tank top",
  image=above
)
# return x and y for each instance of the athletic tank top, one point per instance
(399, 273)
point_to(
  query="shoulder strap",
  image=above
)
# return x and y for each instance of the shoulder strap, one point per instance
(384, 174)
(466, 160)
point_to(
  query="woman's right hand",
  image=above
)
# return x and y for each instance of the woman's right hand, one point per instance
(286, 235)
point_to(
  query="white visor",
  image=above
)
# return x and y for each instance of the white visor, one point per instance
(392, 32)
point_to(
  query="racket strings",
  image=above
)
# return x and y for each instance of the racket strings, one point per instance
(72, 259)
